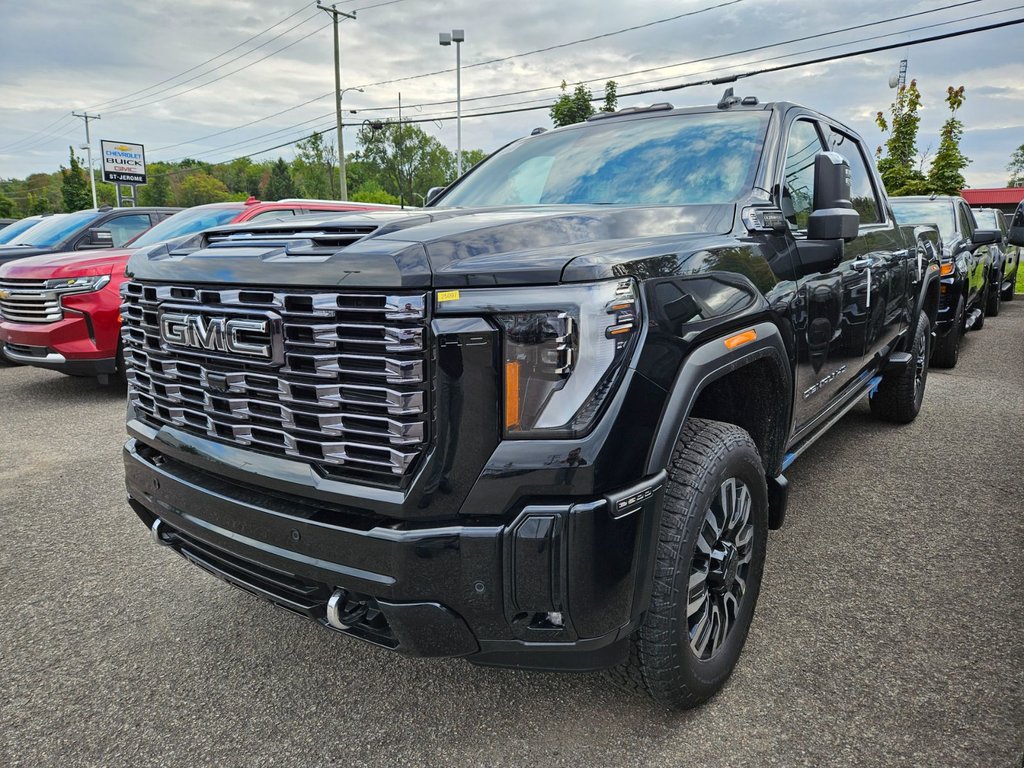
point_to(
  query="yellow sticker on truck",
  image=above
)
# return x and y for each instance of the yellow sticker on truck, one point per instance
(447, 296)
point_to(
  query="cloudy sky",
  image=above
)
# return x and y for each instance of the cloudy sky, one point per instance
(149, 69)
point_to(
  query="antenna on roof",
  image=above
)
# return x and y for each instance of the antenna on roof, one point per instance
(728, 99)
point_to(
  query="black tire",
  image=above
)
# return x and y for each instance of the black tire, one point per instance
(995, 298)
(663, 663)
(900, 395)
(947, 349)
(983, 306)
(1008, 293)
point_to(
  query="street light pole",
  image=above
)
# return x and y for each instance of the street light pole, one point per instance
(456, 36)
(341, 145)
(335, 14)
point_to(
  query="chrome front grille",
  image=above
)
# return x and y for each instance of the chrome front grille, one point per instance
(29, 301)
(351, 394)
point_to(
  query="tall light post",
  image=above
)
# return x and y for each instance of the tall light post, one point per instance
(335, 15)
(341, 147)
(456, 36)
(88, 147)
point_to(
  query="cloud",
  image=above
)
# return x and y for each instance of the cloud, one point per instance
(108, 49)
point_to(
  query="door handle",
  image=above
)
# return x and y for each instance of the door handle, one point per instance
(860, 264)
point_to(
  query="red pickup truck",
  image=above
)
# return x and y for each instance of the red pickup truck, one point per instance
(62, 311)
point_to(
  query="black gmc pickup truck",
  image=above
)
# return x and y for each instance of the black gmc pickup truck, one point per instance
(543, 422)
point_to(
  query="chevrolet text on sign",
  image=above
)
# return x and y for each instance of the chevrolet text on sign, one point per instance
(123, 163)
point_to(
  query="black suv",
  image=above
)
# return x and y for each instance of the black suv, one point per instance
(966, 267)
(1005, 259)
(90, 229)
(542, 423)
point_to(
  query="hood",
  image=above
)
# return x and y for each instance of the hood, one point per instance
(69, 264)
(9, 253)
(438, 247)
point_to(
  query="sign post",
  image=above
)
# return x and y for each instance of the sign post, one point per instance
(124, 165)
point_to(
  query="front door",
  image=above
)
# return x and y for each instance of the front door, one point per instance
(830, 305)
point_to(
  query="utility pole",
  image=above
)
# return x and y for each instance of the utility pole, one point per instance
(457, 36)
(88, 144)
(335, 14)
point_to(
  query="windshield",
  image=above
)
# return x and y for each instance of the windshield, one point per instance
(185, 223)
(672, 160)
(938, 213)
(54, 230)
(10, 233)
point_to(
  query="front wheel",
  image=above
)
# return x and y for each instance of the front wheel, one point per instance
(710, 558)
(900, 395)
(995, 298)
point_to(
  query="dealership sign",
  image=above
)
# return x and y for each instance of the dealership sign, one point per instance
(123, 163)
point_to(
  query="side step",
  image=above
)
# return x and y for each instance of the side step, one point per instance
(974, 317)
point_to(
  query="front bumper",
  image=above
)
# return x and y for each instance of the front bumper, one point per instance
(44, 357)
(553, 586)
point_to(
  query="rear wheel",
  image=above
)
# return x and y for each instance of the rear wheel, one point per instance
(947, 349)
(710, 559)
(900, 395)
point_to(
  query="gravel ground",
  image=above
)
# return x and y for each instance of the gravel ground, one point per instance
(890, 629)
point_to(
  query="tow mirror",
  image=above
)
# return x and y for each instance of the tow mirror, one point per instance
(1016, 236)
(986, 237)
(833, 217)
(98, 238)
(432, 193)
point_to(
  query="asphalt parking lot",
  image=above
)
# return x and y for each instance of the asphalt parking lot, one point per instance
(890, 629)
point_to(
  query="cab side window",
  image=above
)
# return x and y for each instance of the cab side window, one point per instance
(966, 221)
(862, 191)
(124, 228)
(797, 195)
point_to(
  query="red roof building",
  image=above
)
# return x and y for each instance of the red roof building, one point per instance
(1006, 199)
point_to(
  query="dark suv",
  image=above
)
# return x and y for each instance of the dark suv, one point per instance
(86, 230)
(542, 423)
(966, 267)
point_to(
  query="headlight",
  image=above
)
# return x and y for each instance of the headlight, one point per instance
(564, 348)
(77, 284)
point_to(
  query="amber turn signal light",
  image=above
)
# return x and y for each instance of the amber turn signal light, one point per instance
(740, 339)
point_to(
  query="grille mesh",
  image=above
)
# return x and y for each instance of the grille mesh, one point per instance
(29, 301)
(351, 394)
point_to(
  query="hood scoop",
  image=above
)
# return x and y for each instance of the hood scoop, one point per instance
(317, 242)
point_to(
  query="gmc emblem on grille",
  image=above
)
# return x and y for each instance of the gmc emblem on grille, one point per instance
(245, 336)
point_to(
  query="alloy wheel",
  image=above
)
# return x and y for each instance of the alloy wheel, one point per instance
(720, 568)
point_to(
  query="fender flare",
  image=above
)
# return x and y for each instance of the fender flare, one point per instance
(706, 363)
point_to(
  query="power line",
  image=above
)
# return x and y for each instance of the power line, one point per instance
(129, 106)
(711, 81)
(208, 61)
(608, 77)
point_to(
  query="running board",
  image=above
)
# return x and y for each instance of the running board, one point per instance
(973, 318)
(793, 455)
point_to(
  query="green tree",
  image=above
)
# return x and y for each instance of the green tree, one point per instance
(158, 190)
(611, 97)
(898, 168)
(38, 204)
(280, 184)
(7, 206)
(372, 192)
(1016, 168)
(74, 186)
(404, 160)
(200, 187)
(315, 167)
(573, 107)
(471, 157)
(945, 177)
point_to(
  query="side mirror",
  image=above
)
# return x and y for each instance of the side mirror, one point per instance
(98, 238)
(986, 237)
(432, 193)
(1016, 236)
(833, 217)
